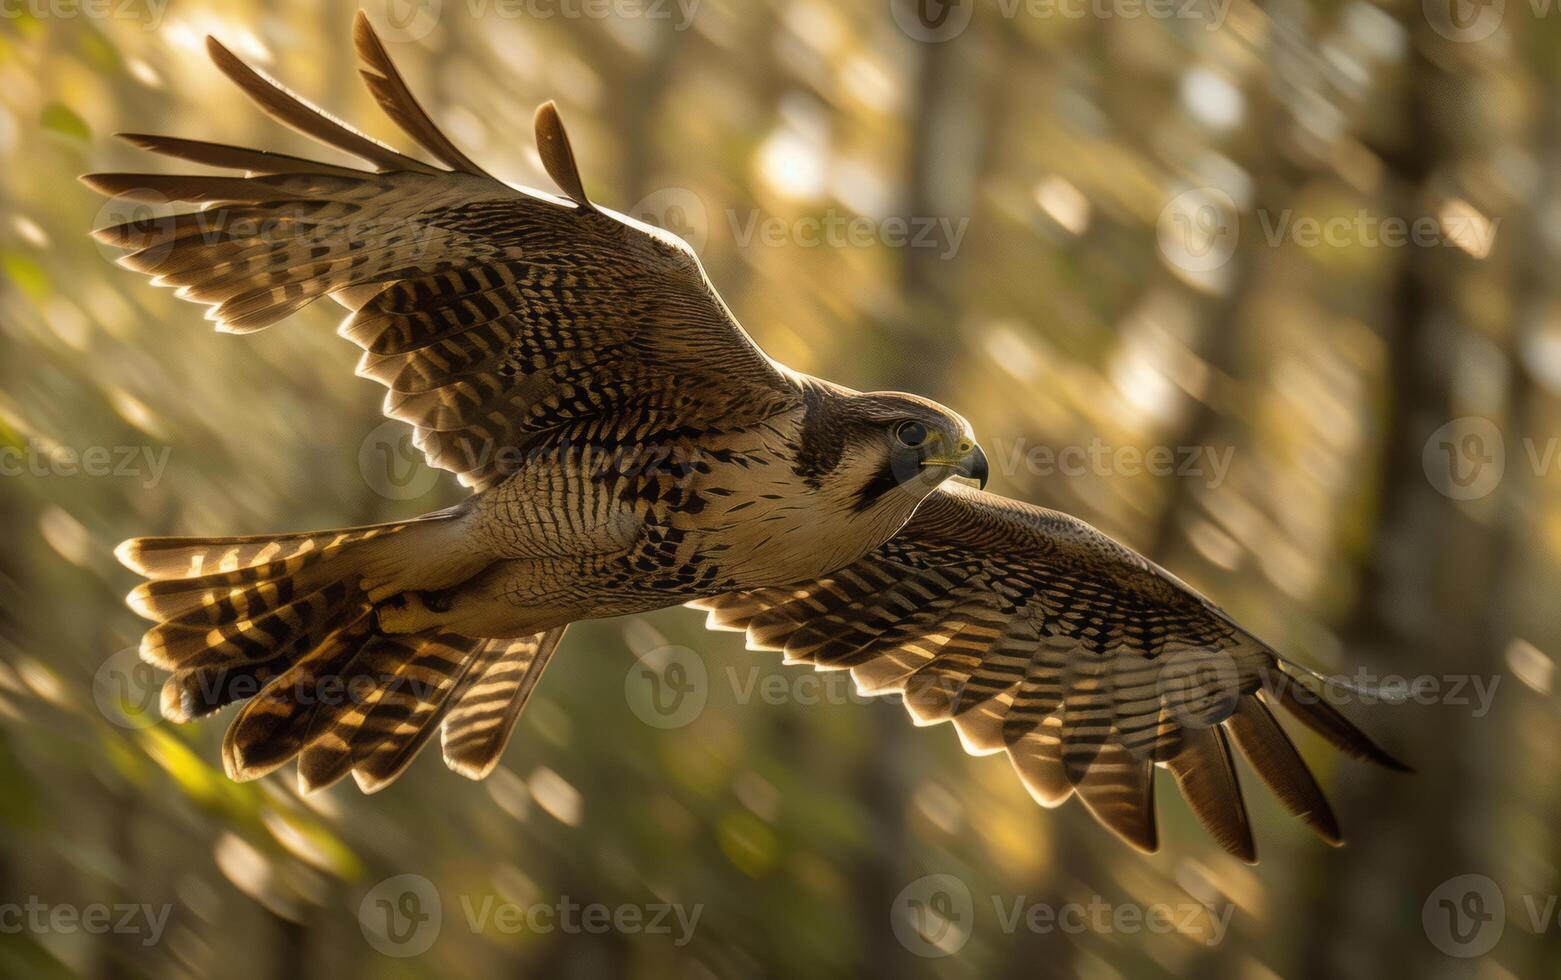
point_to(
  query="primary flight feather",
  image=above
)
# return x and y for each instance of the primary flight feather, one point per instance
(629, 447)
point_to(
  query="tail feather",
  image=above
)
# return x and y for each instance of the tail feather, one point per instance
(410, 711)
(327, 754)
(270, 728)
(174, 645)
(200, 691)
(190, 557)
(289, 623)
(476, 730)
(214, 599)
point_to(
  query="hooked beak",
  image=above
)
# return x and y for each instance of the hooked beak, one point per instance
(972, 464)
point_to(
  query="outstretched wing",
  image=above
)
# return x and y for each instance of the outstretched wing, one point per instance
(500, 318)
(1037, 635)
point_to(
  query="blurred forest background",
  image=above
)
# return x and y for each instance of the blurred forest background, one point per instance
(1152, 226)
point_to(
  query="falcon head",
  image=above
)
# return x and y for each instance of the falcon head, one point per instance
(902, 446)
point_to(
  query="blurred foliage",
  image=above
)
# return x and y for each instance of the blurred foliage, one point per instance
(1056, 144)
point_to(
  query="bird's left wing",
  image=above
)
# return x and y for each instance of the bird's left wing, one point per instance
(504, 321)
(1038, 636)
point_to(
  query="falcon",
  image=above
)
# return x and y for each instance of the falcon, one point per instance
(629, 447)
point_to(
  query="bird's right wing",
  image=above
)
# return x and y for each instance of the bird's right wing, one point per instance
(1035, 634)
(501, 319)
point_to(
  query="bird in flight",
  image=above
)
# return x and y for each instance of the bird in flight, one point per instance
(629, 447)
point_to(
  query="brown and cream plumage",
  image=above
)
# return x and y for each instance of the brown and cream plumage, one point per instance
(629, 447)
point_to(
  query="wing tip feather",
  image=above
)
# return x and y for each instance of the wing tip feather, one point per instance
(473, 769)
(141, 604)
(222, 57)
(558, 156)
(1327, 721)
(128, 554)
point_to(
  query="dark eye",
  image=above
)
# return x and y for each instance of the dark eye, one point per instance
(911, 434)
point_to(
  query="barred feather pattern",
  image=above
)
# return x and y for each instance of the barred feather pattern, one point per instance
(280, 622)
(410, 712)
(500, 319)
(1037, 636)
(221, 603)
(475, 732)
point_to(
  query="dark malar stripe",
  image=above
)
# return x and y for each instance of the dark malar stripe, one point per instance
(881, 482)
(822, 441)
